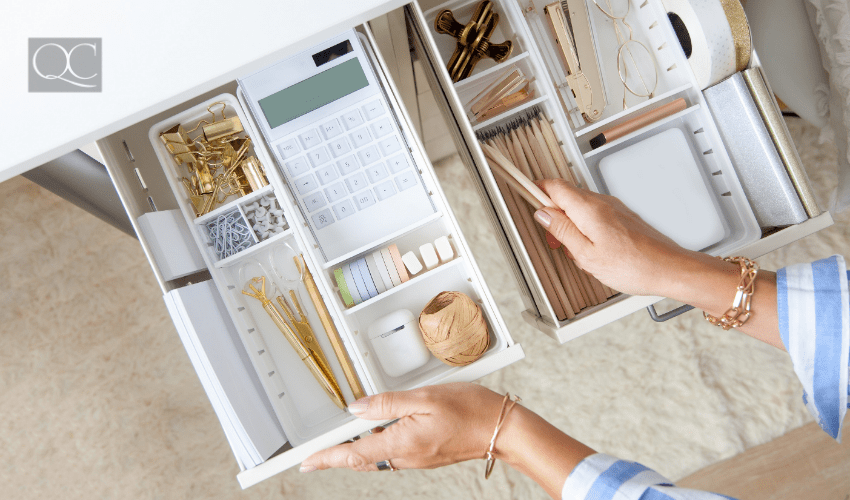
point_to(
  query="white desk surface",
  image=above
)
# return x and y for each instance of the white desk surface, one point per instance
(156, 54)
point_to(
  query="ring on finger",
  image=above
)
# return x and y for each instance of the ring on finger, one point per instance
(385, 465)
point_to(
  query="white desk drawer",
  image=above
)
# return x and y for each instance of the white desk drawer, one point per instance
(129, 154)
(678, 81)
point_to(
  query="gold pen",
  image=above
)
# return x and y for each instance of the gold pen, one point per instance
(308, 338)
(307, 356)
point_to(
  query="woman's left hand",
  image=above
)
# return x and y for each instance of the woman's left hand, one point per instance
(437, 426)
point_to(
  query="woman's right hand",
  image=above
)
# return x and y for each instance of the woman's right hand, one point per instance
(611, 242)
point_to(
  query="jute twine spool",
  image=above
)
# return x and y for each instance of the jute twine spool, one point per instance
(454, 329)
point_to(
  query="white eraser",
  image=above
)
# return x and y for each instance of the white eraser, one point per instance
(429, 255)
(411, 262)
(444, 248)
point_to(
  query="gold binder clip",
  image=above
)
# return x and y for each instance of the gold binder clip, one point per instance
(253, 173)
(219, 129)
(473, 39)
(206, 184)
(176, 134)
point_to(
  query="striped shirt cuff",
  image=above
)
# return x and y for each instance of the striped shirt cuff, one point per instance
(813, 305)
(603, 477)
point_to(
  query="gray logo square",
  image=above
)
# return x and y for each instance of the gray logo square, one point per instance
(65, 65)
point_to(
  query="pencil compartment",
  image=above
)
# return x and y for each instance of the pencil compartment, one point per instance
(530, 144)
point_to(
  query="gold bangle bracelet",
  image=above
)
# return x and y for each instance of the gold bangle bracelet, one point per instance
(503, 415)
(740, 311)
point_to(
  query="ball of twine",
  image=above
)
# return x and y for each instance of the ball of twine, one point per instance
(454, 329)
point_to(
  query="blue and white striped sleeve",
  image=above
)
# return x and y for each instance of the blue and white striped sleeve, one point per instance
(603, 477)
(813, 304)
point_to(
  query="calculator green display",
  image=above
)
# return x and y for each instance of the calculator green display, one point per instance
(313, 93)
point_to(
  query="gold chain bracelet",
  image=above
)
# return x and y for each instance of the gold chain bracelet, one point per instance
(740, 312)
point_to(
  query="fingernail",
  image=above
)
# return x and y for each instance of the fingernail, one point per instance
(359, 406)
(307, 468)
(543, 218)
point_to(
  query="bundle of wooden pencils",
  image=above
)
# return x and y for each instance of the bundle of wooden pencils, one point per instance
(530, 144)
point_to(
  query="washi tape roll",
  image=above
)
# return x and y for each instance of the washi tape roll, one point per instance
(399, 264)
(343, 287)
(367, 278)
(376, 275)
(388, 261)
(349, 282)
(715, 36)
(382, 269)
(352, 277)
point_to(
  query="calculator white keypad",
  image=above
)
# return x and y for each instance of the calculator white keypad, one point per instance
(350, 162)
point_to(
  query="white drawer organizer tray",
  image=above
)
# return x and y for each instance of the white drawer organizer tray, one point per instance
(303, 409)
(523, 22)
(144, 179)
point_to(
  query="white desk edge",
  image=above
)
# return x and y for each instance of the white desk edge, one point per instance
(143, 79)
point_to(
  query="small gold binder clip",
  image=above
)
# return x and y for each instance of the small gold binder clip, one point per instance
(206, 183)
(176, 134)
(473, 39)
(254, 174)
(570, 26)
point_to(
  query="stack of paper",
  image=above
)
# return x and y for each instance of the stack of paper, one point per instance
(219, 358)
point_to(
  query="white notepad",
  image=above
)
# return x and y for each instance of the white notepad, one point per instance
(661, 181)
(225, 371)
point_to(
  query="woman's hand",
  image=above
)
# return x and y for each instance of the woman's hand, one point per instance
(616, 246)
(437, 426)
(445, 424)
(611, 242)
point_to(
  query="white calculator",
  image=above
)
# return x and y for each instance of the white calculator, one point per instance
(337, 141)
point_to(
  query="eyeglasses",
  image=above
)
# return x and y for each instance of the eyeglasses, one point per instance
(635, 63)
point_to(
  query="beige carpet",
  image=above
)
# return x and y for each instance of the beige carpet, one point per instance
(98, 398)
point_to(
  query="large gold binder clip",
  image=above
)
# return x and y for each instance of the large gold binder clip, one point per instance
(473, 39)
(221, 128)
